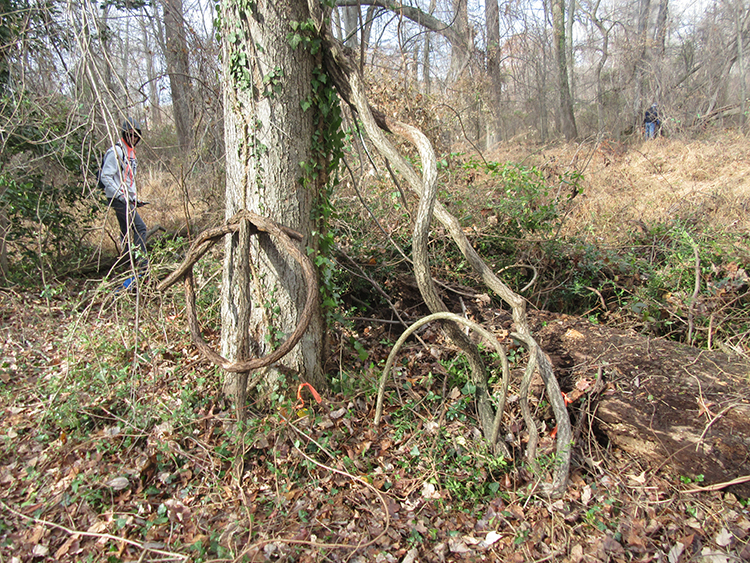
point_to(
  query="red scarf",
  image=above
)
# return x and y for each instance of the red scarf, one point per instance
(129, 158)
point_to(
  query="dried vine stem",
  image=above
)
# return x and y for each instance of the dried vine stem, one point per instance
(495, 428)
(145, 548)
(202, 244)
(350, 86)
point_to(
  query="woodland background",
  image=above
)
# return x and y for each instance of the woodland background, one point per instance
(117, 444)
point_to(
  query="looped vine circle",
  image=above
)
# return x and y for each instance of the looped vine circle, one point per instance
(202, 244)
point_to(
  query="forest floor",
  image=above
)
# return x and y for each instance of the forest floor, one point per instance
(117, 445)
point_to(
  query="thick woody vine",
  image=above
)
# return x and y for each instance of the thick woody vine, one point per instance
(351, 87)
(252, 224)
(337, 68)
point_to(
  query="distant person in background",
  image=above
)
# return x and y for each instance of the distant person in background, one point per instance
(651, 121)
(117, 179)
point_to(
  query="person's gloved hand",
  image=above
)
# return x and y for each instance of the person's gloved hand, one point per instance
(140, 203)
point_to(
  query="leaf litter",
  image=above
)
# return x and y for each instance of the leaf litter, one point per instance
(148, 467)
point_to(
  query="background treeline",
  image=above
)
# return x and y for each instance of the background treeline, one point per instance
(475, 77)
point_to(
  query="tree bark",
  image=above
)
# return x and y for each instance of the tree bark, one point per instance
(351, 26)
(572, 4)
(567, 117)
(154, 110)
(640, 64)
(426, 78)
(268, 135)
(459, 51)
(604, 49)
(660, 36)
(492, 15)
(741, 20)
(178, 68)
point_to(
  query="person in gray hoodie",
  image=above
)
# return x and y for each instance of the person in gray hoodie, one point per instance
(117, 179)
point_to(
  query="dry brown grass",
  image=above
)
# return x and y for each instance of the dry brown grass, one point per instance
(651, 182)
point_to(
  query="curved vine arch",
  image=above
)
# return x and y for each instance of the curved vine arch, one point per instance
(351, 87)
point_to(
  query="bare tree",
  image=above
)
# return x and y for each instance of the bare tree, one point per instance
(492, 17)
(567, 117)
(178, 68)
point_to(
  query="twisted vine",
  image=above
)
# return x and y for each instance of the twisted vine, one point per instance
(202, 244)
(351, 88)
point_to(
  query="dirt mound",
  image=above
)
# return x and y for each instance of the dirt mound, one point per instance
(671, 405)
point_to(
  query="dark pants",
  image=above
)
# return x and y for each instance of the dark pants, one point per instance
(130, 223)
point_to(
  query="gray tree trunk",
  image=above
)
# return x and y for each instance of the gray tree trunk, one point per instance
(567, 118)
(178, 68)
(154, 111)
(351, 26)
(660, 36)
(492, 15)
(641, 62)
(604, 32)
(268, 135)
(742, 16)
(459, 51)
(572, 4)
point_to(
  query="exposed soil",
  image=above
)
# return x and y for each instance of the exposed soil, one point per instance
(672, 405)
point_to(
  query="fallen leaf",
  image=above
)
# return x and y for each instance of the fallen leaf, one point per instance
(674, 554)
(583, 384)
(586, 495)
(491, 538)
(724, 538)
(709, 556)
(573, 334)
(338, 413)
(428, 491)
(457, 546)
(118, 483)
(471, 540)
(576, 553)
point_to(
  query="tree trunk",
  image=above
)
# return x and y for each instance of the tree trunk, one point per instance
(740, 21)
(492, 15)
(604, 31)
(426, 55)
(367, 27)
(178, 68)
(640, 64)
(154, 111)
(567, 117)
(569, 47)
(459, 51)
(351, 25)
(660, 37)
(268, 135)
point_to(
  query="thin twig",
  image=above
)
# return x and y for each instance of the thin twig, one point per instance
(94, 534)
(719, 486)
